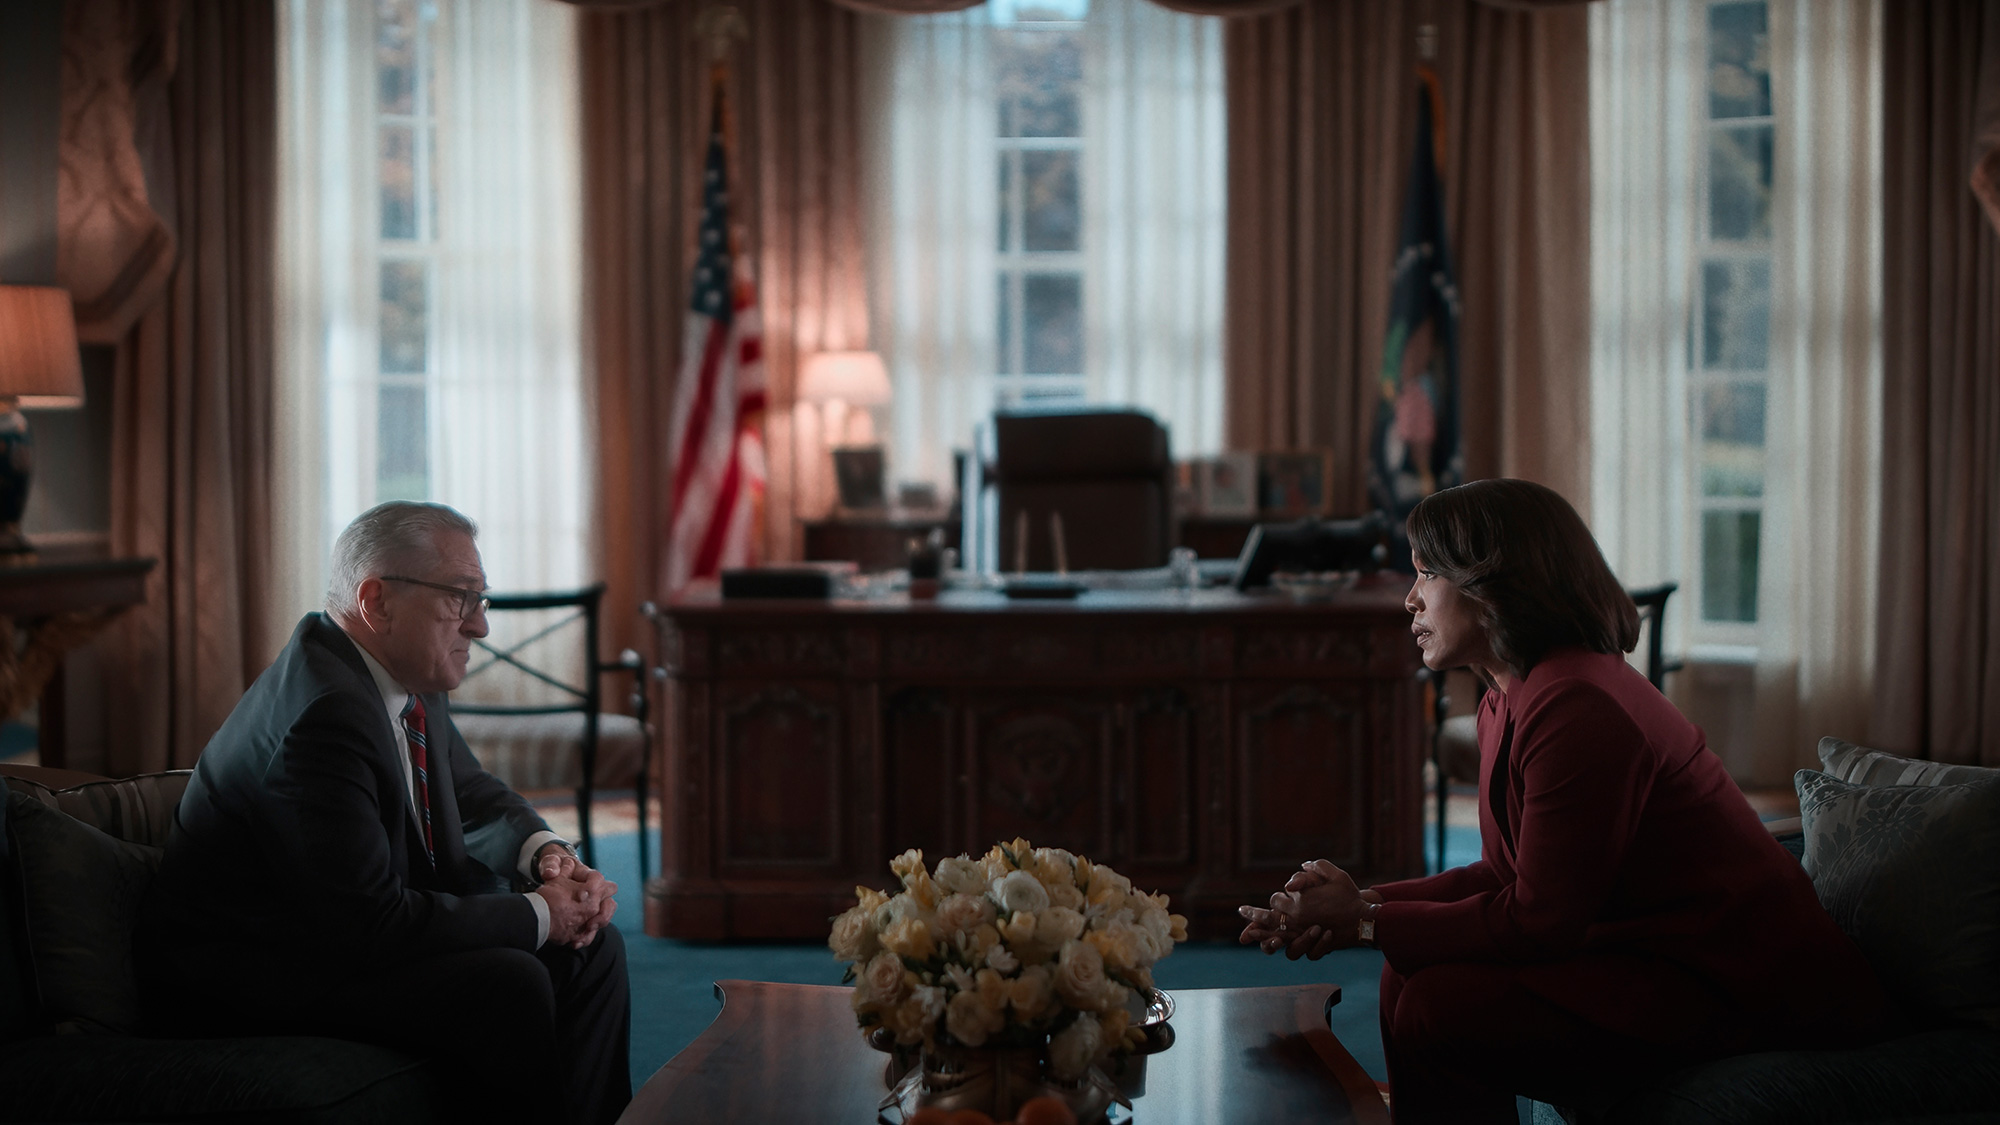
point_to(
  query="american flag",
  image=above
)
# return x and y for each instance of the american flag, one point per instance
(717, 449)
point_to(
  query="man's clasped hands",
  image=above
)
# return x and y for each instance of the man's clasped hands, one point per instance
(1314, 915)
(580, 898)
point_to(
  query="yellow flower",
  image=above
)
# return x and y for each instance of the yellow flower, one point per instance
(910, 937)
(909, 861)
(1113, 1023)
(1179, 924)
(963, 914)
(1031, 995)
(870, 899)
(884, 982)
(970, 1020)
(1057, 925)
(1018, 931)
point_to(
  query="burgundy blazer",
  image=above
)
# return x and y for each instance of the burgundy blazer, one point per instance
(1624, 873)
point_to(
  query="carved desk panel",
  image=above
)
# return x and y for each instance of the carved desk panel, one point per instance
(1203, 744)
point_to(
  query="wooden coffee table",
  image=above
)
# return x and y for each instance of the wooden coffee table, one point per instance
(791, 1053)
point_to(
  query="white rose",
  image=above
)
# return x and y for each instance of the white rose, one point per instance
(963, 914)
(1066, 894)
(883, 982)
(1080, 975)
(961, 876)
(1018, 892)
(853, 937)
(970, 1020)
(1057, 925)
(1073, 1049)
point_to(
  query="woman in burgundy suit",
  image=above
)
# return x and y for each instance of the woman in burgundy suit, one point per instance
(1628, 913)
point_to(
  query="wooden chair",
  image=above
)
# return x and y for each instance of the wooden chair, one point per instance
(1455, 738)
(531, 707)
(1104, 477)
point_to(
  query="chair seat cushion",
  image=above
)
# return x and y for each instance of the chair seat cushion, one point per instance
(304, 1079)
(546, 751)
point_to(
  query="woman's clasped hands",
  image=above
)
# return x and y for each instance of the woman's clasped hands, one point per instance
(1314, 915)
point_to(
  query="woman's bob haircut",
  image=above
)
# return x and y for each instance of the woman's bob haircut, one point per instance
(1525, 559)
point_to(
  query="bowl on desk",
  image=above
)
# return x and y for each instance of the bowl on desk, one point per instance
(1314, 586)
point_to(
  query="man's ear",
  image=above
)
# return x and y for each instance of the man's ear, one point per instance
(371, 602)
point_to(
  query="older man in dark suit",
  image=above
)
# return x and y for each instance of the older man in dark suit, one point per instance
(341, 865)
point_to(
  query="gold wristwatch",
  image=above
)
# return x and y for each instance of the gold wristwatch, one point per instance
(1364, 926)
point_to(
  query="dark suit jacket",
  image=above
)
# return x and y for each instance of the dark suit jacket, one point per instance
(296, 832)
(1625, 874)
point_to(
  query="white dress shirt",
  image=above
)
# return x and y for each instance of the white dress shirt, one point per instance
(394, 698)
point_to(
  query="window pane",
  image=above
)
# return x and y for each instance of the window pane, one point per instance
(1005, 329)
(1039, 73)
(1729, 566)
(1732, 440)
(399, 182)
(401, 462)
(1736, 315)
(396, 54)
(1739, 183)
(1006, 163)
(1739, 61)
(1051, 213)
(405, 317)
(1054, 323)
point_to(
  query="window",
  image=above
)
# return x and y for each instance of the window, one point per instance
(1732, 319)
(405, 244)
(429, 330)
(1049, 220)
(1038, 80)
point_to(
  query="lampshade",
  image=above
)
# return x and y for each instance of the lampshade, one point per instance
(39, 361)
(855, 378)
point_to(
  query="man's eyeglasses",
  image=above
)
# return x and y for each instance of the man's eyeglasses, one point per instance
(469, 601)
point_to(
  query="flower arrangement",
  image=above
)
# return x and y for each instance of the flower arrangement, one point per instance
(1022, 946)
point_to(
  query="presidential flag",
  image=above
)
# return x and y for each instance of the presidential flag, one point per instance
(716, 445)
(1415, 450)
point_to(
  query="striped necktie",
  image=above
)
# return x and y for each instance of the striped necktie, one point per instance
(413, 729)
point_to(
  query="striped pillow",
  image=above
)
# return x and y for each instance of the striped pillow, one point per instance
(1862, 766)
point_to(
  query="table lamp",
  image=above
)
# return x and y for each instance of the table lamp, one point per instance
(840, 381)
(40, 367)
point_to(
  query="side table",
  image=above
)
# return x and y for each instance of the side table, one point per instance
(50, 602)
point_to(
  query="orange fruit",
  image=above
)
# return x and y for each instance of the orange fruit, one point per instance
(929, 1115)
(1045, 1111)
(968, 1117)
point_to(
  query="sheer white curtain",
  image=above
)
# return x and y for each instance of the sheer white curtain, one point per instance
(1153, 222)
(506, 418)
(1815, 658)
(931, 172)
(1154, 216)
(502, 394)
(1816, 571)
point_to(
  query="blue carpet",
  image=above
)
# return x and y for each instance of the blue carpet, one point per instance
(673, 997)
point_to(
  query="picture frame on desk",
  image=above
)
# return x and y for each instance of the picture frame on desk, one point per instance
(858, 472)
(1226, 485)
(1294, 484)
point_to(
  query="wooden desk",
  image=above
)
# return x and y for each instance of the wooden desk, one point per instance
(60, 598)
(875, 540)
(1202, 744)
(791, 1052)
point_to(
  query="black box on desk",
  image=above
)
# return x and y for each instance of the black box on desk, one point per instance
(803, 580)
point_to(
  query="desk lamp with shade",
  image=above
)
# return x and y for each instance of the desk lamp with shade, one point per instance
(40, 367)
(846, 385)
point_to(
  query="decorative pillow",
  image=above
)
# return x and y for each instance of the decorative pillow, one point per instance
(1912, 874)
(80, 891)
(1863, 766)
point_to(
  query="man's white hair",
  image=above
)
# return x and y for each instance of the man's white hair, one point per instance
(393, 537)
